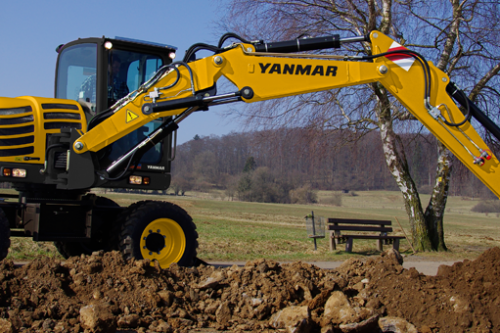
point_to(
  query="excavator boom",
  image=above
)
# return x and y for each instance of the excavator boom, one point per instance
(421, 87)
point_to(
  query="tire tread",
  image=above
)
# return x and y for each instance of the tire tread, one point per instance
(4, 235)
(137, 211)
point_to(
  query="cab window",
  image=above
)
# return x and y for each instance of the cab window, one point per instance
(120, 147)
(127, 70)
(76, 74)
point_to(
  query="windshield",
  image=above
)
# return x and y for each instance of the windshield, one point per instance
(77, 69)
(120, 147)
(126, 71)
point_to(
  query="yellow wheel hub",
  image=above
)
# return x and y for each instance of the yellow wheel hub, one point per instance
(164, 241)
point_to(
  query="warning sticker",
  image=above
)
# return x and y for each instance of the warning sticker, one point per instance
(131, 116)
(402, 59)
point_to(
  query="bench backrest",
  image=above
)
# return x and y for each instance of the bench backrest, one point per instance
(382, 226)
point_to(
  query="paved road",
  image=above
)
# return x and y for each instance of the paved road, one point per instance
(425, 267)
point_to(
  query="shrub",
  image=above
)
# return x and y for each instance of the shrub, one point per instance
(303, 195)
(335, 199)
(261, 186)
(487, 207)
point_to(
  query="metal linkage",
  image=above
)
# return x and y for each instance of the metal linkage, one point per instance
(483, 154)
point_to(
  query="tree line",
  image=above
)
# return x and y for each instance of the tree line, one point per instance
(289, 164)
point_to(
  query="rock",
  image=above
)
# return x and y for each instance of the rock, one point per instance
(99, 253)
(307, 292)
(255, 301)
(162, 327)
(223, 313)
(6, 326)
(338, 310)
(460, 305)
(167, 297)
(211, 281)
(358, 286)
(181, 323)
(128, 321)
(393, 254)
(78, 279)
(319, 300)
(327, 329)
(96, 294)
(180, 313)
(351, 267)
(48, 324)
(425, 329)
(97, 318)
(61, 327)
(296, 319)
(262, 311)
(365, 326)
(212, 307)
(396, 325)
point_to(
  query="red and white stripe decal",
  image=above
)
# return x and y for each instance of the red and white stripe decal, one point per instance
(401, 59)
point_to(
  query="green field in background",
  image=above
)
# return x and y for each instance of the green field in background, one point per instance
(239, 231)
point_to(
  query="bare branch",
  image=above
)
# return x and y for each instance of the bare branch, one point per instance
(484, 80)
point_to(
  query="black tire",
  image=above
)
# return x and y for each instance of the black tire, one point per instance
(102, 239)
(166, 231)
(4, 235)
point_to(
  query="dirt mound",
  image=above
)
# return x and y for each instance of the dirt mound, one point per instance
(103, 293)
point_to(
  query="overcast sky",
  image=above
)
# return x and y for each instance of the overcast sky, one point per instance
(30, 30)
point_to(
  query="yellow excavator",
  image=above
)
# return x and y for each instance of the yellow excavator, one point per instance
(118, 103)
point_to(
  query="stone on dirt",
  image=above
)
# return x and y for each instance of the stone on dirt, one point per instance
(128, 321)
(167, 297)
(6, 326)
(366, 326)
(295, 319)
(223, 313)
(338, 310)
(98, 318)
(394, 255)
(396, 325)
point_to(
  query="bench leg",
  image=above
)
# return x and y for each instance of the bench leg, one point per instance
(395, 245)
(333, 242)
(380, 245)
(348, 245)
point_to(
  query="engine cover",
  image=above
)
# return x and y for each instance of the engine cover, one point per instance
(26, 122)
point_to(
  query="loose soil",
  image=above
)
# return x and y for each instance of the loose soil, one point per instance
(104, 293)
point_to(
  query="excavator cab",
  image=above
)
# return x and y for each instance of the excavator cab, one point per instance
(88, 69)
(98, 72)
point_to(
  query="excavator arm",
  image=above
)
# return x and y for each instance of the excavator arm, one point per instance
(264, 71)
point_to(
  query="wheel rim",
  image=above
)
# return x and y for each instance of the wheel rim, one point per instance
(163, 240)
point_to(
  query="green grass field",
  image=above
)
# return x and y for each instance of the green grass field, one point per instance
(232, 230)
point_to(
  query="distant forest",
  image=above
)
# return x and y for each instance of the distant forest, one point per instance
(288, 165)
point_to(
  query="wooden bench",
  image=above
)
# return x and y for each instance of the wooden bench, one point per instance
(336, 226)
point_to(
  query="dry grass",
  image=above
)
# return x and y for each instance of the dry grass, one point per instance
(26, 249)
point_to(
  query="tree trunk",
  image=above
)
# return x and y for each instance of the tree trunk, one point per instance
(398, 166)
(435, 209)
